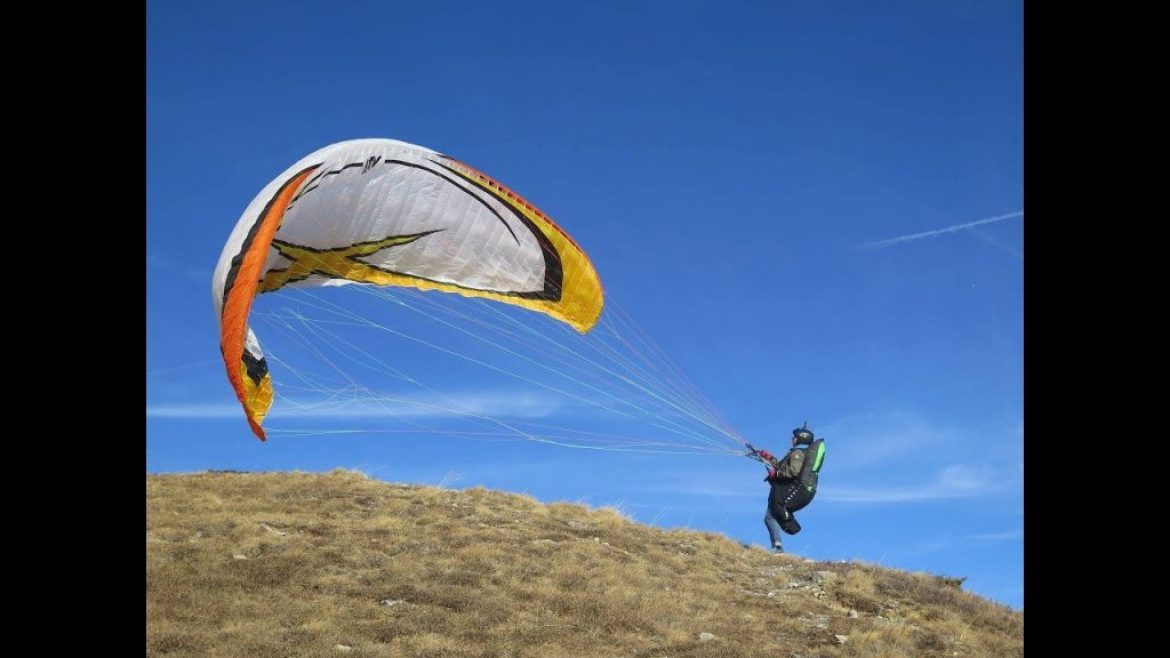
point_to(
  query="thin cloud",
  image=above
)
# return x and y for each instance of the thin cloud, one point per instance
(997, 536)
(928, 234)
(998, 244)
(898, 438)
(865, 441)
(896, 446)
(185, 366)
(168, 264)
(193, 411)
(704, 491)
(498, 405)
(952, 482)
(883, 496)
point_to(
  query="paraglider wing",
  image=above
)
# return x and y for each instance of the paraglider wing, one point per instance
(388, 213)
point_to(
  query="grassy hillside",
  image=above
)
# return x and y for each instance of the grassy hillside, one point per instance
(339, 564)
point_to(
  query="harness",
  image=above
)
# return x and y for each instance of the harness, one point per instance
(814, 456)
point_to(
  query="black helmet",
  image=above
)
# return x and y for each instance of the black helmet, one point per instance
(802, 435)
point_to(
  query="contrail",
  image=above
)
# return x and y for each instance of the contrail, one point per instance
(949, 229)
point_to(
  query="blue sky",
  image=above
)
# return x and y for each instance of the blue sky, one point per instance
(814, 210)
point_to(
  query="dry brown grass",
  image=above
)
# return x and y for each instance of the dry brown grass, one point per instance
(298, 564)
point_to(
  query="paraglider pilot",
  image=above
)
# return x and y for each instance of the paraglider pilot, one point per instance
(793, 481)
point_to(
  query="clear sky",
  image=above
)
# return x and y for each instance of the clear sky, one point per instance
(813, 209)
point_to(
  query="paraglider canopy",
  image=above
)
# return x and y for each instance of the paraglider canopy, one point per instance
(386, 213)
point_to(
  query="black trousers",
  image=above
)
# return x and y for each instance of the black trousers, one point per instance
(789, 497)
(783, 500)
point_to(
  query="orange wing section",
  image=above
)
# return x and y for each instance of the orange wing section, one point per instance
(255, 396)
